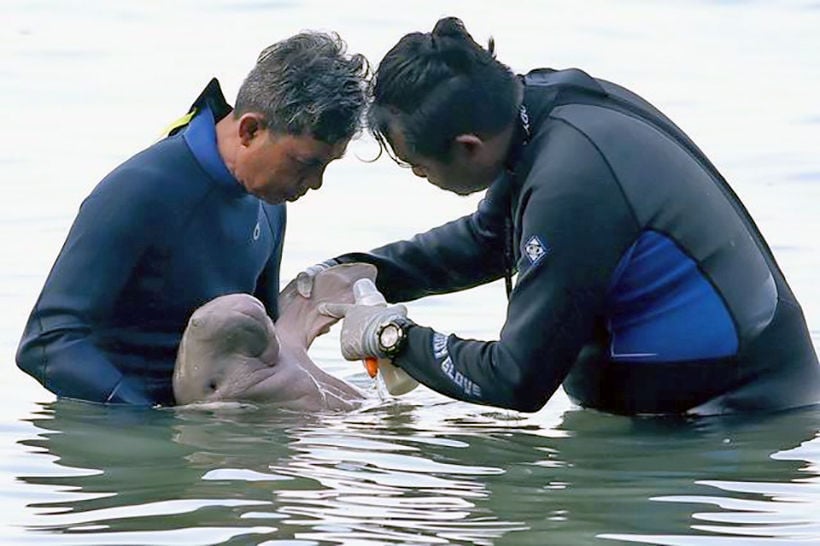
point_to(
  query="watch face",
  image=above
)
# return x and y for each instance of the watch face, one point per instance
(389, 336)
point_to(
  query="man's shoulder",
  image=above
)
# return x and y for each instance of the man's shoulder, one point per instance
(167, 159)
(162, 173)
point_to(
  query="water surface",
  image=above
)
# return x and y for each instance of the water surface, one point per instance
(87, 84)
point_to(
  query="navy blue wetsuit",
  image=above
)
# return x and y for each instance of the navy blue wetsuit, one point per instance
(162, 234)
(643, 286)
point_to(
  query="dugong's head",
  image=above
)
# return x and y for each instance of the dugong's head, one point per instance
(226, 341)
(231, 349)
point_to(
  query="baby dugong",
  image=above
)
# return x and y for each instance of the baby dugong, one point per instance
(232, 351)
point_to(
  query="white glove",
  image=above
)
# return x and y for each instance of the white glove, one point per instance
(361, 326)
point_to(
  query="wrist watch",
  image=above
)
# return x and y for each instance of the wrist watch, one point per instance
(392, 336)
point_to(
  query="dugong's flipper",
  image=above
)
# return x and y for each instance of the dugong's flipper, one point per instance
(299, 317)
(231, 350)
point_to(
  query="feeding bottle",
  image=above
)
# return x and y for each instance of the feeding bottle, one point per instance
(395, 379)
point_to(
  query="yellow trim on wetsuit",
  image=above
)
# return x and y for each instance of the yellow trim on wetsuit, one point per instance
(178, 123)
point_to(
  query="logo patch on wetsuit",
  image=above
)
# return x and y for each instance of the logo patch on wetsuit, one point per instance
(535, 249)
(257, 231)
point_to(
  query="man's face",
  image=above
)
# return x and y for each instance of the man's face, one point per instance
(281, 167)
(462, 174)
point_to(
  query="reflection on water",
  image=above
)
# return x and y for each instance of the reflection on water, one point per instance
(384, 476)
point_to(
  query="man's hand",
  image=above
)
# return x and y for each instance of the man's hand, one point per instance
(304, 280)
(361, 325)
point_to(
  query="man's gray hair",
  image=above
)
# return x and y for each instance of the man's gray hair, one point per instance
(307, 84)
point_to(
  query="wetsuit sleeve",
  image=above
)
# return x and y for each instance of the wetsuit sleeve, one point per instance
(267, 287)
(457, 255)
(574, 226)
(108, 236)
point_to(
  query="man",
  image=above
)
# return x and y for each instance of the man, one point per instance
(643, 286)
(198, 215)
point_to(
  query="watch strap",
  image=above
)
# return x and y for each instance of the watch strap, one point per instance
(402, 323)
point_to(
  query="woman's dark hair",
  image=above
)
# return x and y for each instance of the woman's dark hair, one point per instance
(439, 85)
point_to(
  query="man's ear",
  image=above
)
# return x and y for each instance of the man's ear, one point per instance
(468, 146)
(250, 125)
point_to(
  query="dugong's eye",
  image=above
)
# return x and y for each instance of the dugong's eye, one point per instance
(212, 385)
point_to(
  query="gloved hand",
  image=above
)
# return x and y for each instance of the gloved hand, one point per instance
(304, 280)
(361, 325)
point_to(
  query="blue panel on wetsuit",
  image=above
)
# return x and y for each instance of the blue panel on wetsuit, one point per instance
(662, 308)
(201, 138)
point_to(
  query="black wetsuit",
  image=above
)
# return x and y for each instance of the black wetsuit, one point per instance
(162, 234)
(643, 285)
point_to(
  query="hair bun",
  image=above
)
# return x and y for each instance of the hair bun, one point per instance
(452, 44)
(450, 27)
